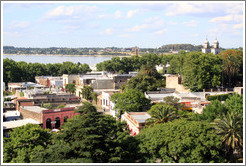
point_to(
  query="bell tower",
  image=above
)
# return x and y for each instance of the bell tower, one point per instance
(206, 47)
(215, 50)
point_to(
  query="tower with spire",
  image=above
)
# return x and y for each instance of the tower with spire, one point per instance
(206, 47)
(215, 49)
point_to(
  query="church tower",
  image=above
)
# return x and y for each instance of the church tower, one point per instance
(206, 48)
(215, 50)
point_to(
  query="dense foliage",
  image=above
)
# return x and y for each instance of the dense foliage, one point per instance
(148, 79)
(181, 141)
(86, 92)
(161, 113)
(232, 67)
(222, 97)
(71, 88)
(130, 100)
(24, 142)
(124, 64)
(23, 72)
(90, 137)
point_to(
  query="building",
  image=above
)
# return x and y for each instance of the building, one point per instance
(23, 86)
(211, 49)
(106, 99)
(55, 118)
(34, 98)
(99, 81)
(175, 81)
(49, 81)
(48, 118)
(10, 125)
(135, 121)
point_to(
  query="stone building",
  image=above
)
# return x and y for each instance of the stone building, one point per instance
(211, 49)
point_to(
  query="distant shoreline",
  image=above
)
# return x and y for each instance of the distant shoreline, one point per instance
(68, 55)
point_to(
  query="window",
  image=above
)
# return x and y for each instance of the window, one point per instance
(65, 119)
(48, 123)
(57, 125)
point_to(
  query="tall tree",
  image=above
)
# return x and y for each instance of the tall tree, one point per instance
(161, 113)
(230, 127)
(91, 137)
(24, 142)
(86, 92)
(130, 100)
(71, 88)
(232, 63)
(202, 71)
(85, 108)
(180, 141)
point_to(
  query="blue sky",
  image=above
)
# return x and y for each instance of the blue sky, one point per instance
(107, 24)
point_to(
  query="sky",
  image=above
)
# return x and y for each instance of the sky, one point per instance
(122, 24)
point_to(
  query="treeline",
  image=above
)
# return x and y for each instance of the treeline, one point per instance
(198, 70)
(22, 71)
(169, 136)
(179, 47)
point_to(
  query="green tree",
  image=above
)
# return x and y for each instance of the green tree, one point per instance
(232, 63)
(71, 88)
(86, 92)
(47, 105)
(180, 141)
(202, 71)
(212, 111)
(235, 103)
(130, 100)
(230, 128)
(148, 79)
(23, 142)
(173, 101)
(91, 137)
(161, 113)
(94, 96)
(85, 108)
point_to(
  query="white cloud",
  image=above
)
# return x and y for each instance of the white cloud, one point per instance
(12, 34)
(237, 26)
(195, 35)
(186, 8)
(117, 14)
(160, 32)
(152, 19)
(149, 23)
(138, 28)
(102, 16)
(125, 35)
(227, 18)
(191, 23)
(172, 23)
(75, 11)
(236, 8)
(20, 24)
(131, 13)
(107, 31)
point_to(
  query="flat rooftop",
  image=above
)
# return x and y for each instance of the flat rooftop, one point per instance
(141, 117)
(18, 123)
(34, 108)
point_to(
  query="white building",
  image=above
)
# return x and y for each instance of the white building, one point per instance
(213, 49)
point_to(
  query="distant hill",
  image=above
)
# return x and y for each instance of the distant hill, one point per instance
(178, 47)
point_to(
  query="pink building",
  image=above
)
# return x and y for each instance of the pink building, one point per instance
(135, 121)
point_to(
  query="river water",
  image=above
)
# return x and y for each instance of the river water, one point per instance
(90, 60)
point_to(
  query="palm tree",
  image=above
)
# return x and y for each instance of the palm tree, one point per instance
(86, 108)
(161, 113)
(230, 127)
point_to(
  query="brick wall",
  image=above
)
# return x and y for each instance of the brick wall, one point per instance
(30, 114)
